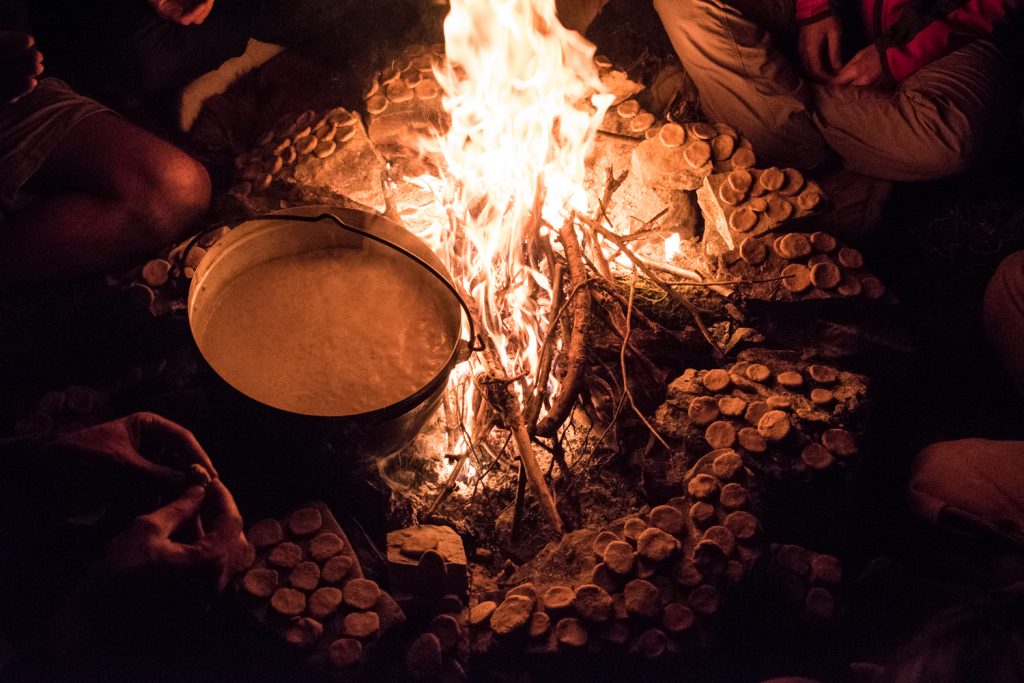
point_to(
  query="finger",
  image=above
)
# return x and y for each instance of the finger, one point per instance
(846, 76)
(170, 517)
(196, 15)
(154, 432)
(223, 518)
(814, 63)
(207, 8)
(15, 40)
(835, 50)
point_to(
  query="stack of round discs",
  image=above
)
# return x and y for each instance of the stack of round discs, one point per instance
(307, 585)
(440, 652)
(794, 415)
(308, 134)
(160, 285)
(680, 156)
(658, 582)
(60, 412)
(747, 201)
(828, 266)
(403, 100)
(805, 580)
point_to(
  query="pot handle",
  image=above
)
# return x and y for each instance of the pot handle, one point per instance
(475, 342)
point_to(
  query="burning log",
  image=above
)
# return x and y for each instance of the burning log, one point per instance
(575, 363)
(504, 400)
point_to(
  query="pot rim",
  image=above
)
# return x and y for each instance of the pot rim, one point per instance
(370, 223)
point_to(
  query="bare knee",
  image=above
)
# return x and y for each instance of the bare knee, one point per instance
(170, 194)
(1004, 295)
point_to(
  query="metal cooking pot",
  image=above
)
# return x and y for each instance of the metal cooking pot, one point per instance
(386, 428)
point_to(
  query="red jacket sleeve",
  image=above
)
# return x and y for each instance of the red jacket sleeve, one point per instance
(809, 11)
(940, 35)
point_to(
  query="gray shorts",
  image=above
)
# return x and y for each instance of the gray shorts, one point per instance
(30, 129)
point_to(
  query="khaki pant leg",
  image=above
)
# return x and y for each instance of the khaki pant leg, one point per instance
(977, 479)
(1004, 315)
(935, 124)
(743, 78)
(578, 15)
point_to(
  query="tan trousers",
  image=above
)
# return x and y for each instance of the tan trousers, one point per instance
(579, 14)
(981, 480)
(1004, 316)
(934, 124)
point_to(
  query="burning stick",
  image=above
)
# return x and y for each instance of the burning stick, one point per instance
(570, 387)
(505, 401)
(649, 272)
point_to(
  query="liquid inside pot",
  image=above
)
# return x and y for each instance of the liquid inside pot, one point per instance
(330, 332)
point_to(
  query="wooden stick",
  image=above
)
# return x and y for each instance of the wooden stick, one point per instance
(569, 389)
(505, 401)
(649, 272)
(622, 364)
(520, 502)
(535, 401)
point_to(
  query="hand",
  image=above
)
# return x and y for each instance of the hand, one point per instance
(820, 47)
(20, 65)
(864, 70)
(184, 12)
(152, 545)
(141, 444)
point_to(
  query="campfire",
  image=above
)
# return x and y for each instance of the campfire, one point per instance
(610, 431)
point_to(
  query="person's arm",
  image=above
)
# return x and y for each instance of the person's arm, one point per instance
(809, 11)
(819, 42)
(919, 38)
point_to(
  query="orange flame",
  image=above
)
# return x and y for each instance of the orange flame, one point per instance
(525, 100)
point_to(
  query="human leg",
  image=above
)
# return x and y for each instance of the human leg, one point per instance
(1004, 315)
(935, 124)
(729, 50)
(108, 191)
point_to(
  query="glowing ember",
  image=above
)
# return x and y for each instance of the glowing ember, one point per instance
(524, 98)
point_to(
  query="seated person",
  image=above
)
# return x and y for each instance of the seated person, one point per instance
(977, 485)
(926, 94)
(117, 530)
(81, 189)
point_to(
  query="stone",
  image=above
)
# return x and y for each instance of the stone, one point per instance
(423, 659)
(704, 600)
(668, 519)
(406, 547)
(260, 582)
(539, 625)
(593, 603)
(481, 612)
(620, 557)
(324, 602)
(602, 541)
(361, 593)
(511, 615)
(305, 576)
(642, 598)
(653, 643)
(570, 633)
(304, 633)
(344, 652)
(676, 617)
(557, 598)
(305, 521)
(360, 624)
(656, 545)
